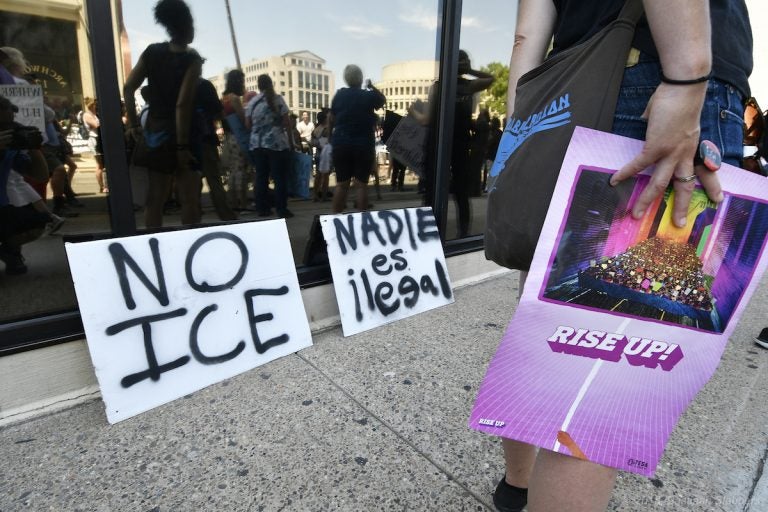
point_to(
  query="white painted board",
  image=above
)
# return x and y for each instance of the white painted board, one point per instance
(386, 265)
(206, 304)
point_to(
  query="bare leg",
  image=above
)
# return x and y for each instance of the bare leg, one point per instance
(324, 185)
(361, 197)
(340, 196)
(317, 188)
(157, 193)
(560, 482)
(519, 458)
(188, 185)
(100, 174)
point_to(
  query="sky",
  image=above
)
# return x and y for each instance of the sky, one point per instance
(371, 34)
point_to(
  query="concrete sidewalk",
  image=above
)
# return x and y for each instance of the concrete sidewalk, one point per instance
(372, 422)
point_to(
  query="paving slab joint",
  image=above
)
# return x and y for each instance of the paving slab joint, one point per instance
(756, 481)
(397, 434)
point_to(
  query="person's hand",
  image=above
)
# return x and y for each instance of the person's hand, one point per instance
(6, 136)
(672, 140)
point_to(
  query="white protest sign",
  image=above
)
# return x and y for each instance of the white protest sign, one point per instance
(386, 266)
(171, 313)
(407, 144)
(29, 99)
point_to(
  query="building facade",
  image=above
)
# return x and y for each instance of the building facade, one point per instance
(300, 77)
(405, 82)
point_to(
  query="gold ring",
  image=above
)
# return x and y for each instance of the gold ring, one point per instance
(686, 179)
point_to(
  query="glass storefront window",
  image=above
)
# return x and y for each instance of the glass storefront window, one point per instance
(480, 111)
(389, 44)
(392, 43)
(54, 53)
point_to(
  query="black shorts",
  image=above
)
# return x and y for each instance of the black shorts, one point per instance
(16, 220)
(353, 162)
(53, 158)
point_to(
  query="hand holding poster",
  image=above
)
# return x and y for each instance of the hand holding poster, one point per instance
(386, 265)
(172, 313)
(622, 321)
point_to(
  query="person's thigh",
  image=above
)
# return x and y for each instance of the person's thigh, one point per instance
(363, 158)
(260, 160)
(722, 121)
(637, 86)
(721, 117)
(343, 162)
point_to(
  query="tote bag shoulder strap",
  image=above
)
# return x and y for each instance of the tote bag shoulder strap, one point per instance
(632, 11)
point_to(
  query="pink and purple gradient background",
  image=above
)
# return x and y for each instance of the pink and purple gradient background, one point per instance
(627, 412)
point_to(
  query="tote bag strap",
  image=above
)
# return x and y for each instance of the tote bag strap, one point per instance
(632, 11)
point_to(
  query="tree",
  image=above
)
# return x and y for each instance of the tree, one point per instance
(495, 97)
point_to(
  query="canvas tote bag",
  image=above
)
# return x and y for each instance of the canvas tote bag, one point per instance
(577, 87)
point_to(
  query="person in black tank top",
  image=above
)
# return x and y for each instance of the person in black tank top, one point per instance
(172, 70)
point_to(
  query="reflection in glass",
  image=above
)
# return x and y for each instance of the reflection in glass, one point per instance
(48, 47)
(487, 36)
(304, 48)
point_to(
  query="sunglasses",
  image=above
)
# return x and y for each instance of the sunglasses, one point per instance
(755, 135)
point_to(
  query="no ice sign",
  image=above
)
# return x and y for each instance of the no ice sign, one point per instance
(168, 314)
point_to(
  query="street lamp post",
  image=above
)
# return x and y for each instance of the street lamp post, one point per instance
(232, 32)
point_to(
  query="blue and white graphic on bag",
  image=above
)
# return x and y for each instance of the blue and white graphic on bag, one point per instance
(555, 114)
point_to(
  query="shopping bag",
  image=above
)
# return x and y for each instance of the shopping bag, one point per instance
(299, 175)
(577, 87)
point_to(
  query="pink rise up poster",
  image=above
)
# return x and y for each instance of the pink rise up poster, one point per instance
(622, 321)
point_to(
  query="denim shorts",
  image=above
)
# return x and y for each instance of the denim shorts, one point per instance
(722, 117)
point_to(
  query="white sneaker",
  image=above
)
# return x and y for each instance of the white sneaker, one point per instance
(54, 225)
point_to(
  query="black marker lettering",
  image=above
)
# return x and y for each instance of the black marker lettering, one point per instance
(425, 220)
(342, 233)
(379, 261)
(253, 318)
(155, 370)
(393, 232)
(369, 226)
(402, 263)
(358, 311)
(368, 291)
(408, 285)
(194, 345)
(383, 292)
(427, 286)
(121, 259)
(441, 276)
(205, 287)
(410, 229)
